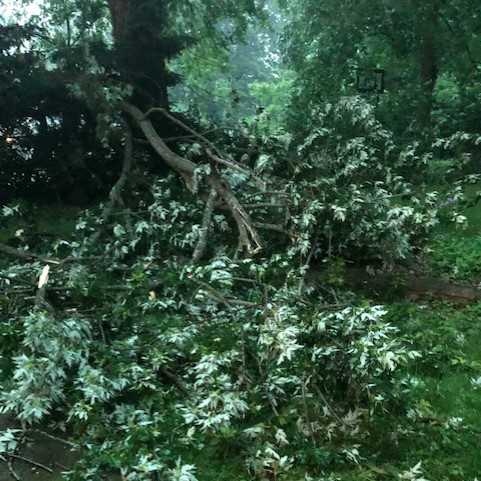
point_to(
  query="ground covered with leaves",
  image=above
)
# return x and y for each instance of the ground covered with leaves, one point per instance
(427, 411)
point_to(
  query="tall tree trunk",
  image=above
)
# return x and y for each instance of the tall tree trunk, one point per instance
(428, 25)
(139, 48)
(119, 11)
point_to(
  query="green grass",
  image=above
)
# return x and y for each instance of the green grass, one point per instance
(438, 420)
(456, 251)
(445, 435)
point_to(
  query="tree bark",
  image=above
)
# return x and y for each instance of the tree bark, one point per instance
(139, 48)
(119, 11)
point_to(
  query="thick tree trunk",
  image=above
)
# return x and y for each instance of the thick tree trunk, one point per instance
(139, 50)
(119, 11)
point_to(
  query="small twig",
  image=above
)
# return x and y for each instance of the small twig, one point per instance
(11, 470)
(115, 195)
(235, 165)
(176, 380)
(262, 205)
(214, 293)
(274, 227)
(245, 279)
(32, 462)
(326, 402)
(54, 438)
(240, 302)
(280, 193)
(102, 332)
(219, 297)
(182, 137)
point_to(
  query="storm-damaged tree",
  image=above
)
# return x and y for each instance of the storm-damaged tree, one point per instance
(145, 37)
(161, 327)
(114, 60)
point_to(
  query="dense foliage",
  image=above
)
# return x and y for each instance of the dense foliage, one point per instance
(223, 178)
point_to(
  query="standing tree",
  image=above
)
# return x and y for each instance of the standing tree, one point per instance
(418, 41)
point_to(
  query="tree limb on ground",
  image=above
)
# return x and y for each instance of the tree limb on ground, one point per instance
(212, 151)
(407, 284)
(30, 256)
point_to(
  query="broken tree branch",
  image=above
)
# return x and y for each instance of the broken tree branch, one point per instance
(235, 165)
(53, 261)
(191, 131)
(28, 256)
(54, 438)
(248, 236)
(40, 299)
(31, 462)
(115, 195)
(273, 227)
(212, 151)
(219, 297)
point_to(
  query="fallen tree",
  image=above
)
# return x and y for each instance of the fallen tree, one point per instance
(170, 327)
(410, 284)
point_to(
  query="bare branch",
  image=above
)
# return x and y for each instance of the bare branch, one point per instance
(235, 165)
(174, 161)
(219, 297)
(53, 261)
(185, 127)
(28, 256)
(115, 196)
(273, 227)
(263, 205)
(54, 438)
(40, 298)
(204, 230)
(212, 151)
(248, 236)
(31, 461)
(12, 471)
